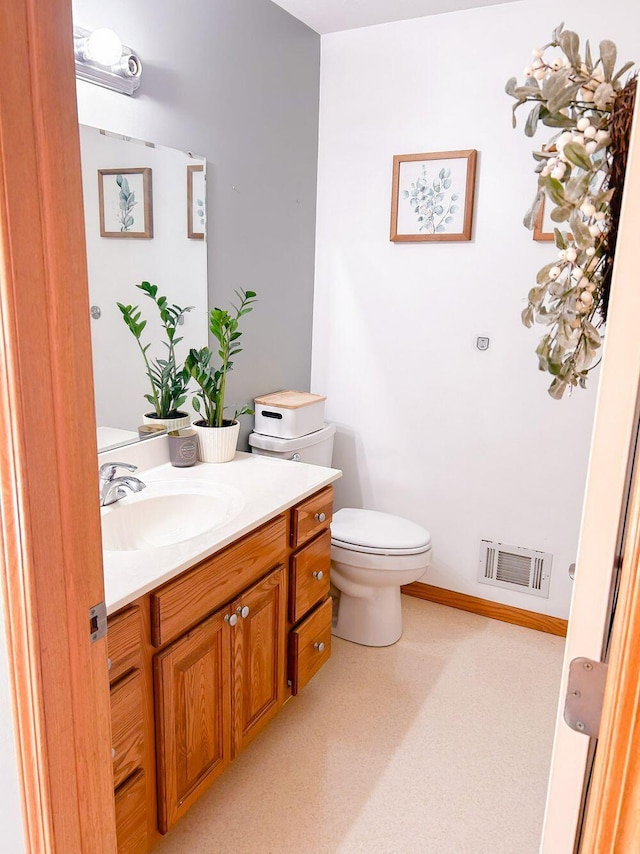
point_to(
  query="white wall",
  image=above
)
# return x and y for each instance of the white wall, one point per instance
(467, 443)
(170, 260)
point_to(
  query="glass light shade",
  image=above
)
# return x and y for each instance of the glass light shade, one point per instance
(103, 46)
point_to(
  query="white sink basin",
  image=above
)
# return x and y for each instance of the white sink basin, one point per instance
(167, 513)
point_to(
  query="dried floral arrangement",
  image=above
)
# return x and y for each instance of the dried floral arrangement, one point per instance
(581, 172)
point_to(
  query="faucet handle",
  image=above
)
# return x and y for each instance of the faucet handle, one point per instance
(107, 471)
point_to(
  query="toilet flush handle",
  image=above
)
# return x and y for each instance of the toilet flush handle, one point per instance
(295, 458)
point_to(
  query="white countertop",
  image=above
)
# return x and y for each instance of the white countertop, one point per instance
(268, 486)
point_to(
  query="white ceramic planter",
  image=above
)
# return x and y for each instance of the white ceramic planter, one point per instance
(169, 423)
(217, 444)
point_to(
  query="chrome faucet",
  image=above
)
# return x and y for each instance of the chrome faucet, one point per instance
(114, 488)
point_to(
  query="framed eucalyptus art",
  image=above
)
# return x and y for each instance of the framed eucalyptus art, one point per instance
(125, 202)
(196, 212)
(543, 226)
(432, 196)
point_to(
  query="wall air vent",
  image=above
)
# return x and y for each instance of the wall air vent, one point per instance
(515, 568)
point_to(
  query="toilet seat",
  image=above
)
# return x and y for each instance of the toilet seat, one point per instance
(375, 533)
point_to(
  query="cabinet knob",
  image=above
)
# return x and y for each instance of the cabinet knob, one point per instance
(113, 753)
(109, 664)
(232, 619)
(319, 646)
(319, 575)
(320, 517)
(243, 610)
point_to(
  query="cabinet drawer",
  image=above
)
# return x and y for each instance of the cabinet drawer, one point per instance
(131, 816)
(305, 656)
(309, 576)
(124, 639)
(127, 726)
(182, 603)
(310, 517)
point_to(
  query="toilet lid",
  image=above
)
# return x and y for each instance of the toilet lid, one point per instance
(377, 533)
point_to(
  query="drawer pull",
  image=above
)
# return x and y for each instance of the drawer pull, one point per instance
(243, 610)
(319, 575)
(109, 664)
(232, 619)
(319, 646)
(320, 517)
(113, 753)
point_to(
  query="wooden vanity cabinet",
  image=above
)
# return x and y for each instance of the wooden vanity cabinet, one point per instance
(200, 665)
(216, 688)
(131, 730)
(193, 716)
(259, 653)
(310, 609)
(132, 815)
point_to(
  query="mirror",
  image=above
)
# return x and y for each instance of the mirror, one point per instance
(144, 221)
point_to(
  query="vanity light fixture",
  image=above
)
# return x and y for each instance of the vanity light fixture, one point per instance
(101, 58)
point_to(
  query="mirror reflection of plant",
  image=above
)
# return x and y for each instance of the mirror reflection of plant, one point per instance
(428, 201)
(127, 201)
(168, 380)
(578, 97)
(209, 400)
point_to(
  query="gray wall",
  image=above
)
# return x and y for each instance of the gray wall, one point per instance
(236, 81)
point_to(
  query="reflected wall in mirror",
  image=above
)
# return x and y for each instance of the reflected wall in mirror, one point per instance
(171, 259)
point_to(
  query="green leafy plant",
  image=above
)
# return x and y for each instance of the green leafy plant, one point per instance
(168, 380)
(577, 96)
(209, 400)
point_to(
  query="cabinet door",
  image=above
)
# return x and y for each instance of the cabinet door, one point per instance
(259, 672)
(193, 701)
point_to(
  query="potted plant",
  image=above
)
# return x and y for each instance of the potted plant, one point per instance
(168, 380)
(217, 436)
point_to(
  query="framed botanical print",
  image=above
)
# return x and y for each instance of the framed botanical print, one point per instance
(125, 202)
(196, 208)
(432, 197)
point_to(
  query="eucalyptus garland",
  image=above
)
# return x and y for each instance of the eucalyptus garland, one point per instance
(577, 96)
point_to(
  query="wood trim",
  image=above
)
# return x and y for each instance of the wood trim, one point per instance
(486, 608)
(613, 808)
(51, 562)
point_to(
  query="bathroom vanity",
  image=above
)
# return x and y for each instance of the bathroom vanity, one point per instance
(202, 660)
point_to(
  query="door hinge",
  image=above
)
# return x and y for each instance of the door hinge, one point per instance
(98, 622)
(585, 693)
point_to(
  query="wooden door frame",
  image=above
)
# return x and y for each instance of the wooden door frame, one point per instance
(51, 561)
(50, 565)
(612, 815)
(613, 809)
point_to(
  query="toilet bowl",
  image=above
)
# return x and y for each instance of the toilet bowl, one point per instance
(372, 554)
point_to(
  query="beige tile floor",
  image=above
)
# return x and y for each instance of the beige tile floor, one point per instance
(439, 744)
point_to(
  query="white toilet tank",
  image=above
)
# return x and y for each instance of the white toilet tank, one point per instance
(315, 448)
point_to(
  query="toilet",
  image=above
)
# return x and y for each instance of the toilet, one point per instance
(372, 554)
